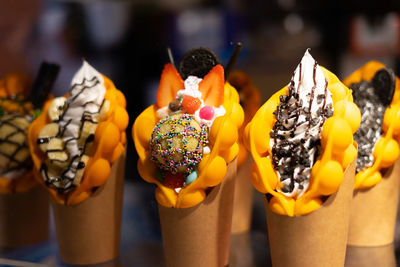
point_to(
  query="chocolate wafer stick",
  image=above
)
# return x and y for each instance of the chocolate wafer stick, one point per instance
(171, 57)
(43, 83)
(232, 59)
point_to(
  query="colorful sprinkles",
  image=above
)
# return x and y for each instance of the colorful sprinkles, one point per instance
(177, 143)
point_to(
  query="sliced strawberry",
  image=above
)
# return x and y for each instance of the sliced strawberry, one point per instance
(170, 83)
(212, 87)
(191, 104)
(173, 180)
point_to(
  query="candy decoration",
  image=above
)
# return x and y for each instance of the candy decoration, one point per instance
(174, 105)
(207, 113)
(191, 177)
(191, 104)
(177, 143)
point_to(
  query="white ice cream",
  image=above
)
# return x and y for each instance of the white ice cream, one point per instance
(307, 77)
(86, 97)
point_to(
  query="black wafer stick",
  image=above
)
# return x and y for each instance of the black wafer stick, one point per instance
(171, 57)
(43, 84)
(232, 59)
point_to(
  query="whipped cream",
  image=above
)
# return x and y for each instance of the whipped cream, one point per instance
(86, 96)
(192, 89)
(295, 138)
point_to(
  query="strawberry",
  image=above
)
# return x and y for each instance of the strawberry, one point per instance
(170, 83)
(191, 104)
(173, 180)
(212, 87)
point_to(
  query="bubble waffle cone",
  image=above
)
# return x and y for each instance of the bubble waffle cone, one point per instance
(302, 144)
(23, 205)
(199, 236)
(78, 149)
(375, 200)
(187, 146)
(315, 239)
(89, 232)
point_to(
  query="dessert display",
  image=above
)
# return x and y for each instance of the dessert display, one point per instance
(243, 197)
(302, 144)
(378, 134)
(77, 146)
(16, 113)
(78, 137)
(178, 138)
(22, 202)
(376, 92)
(187, 145)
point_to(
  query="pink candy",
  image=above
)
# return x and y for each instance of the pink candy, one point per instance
(207, 113)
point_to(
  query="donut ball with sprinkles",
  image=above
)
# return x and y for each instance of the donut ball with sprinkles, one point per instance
(177, 143)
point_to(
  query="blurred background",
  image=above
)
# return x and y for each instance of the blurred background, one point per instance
(127, 40)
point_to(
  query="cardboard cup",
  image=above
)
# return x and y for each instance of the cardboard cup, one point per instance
(243, 198)
(374, 211)
(200, 236)
(89, 232)
(316, 239)
(24, 217)
(371, 256)
(241, 251)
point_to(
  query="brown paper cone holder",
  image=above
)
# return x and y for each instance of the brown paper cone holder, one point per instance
(316, 239)
(199, 236)
(371, 256)
(243, 198)
(89, 232)
(374, 211)
(24, 217)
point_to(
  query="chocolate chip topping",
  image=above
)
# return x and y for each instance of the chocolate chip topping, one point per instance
(197, 62)
(372, 98)
(288, 155)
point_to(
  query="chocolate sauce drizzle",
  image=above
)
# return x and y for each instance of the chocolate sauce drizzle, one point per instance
(13, 163)
(290, 152)
(64, 183)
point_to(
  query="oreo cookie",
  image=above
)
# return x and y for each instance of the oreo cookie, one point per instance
(197, 62)
(384, 83)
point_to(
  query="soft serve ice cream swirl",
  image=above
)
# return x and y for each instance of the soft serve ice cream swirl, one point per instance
(295, 137)
(75, 119)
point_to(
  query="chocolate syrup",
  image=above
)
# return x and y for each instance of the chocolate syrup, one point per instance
(68, 174)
